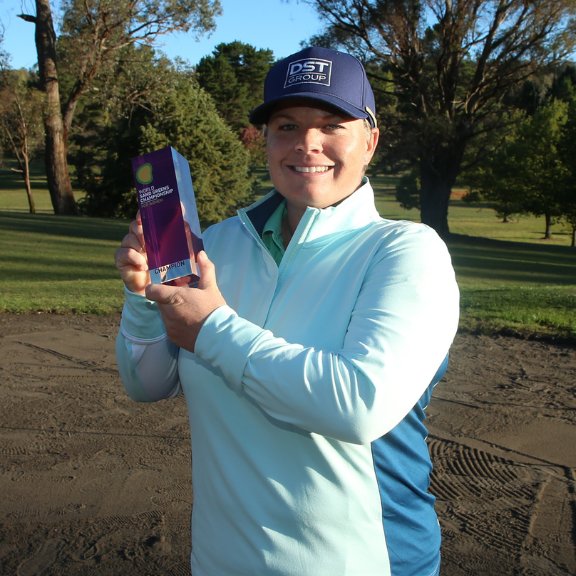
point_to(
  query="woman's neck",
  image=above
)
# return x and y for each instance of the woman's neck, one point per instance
(290, 222)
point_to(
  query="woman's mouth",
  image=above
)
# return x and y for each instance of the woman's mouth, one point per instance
(311, 169)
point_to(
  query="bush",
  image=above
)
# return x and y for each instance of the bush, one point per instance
(186, 118)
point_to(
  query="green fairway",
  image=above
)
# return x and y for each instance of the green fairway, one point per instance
(513, 287)
(511, 281)
(59, 264)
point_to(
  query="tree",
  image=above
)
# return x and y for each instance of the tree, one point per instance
(452, 63)
(541, 168)
(121, 100)
(233, 75)
(230, 75)
(57, 174)
(532, 169)
(95, 31)
(20, 126)
(527, 173)
(567, 195)
(220, 165)
(180, 114)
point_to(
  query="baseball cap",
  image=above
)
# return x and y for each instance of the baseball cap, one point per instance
(321, 75)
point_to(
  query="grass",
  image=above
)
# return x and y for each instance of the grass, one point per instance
(59, 264)
(13, 193)
(511, 280)
(473, 219)
(512, 287)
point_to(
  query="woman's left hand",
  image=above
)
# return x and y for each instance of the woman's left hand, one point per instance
(184, 309)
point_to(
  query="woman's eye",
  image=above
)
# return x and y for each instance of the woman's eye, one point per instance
(287, 127)
(334, 127)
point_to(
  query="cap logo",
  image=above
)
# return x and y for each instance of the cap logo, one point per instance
(308, 71)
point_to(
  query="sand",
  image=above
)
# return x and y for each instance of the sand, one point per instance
(93, 483)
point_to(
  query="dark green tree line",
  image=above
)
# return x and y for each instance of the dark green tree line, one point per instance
(526, 174)
(566, 148)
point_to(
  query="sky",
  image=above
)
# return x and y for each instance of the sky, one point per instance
(278, 25)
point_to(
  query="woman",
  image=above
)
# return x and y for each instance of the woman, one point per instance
(308, 359)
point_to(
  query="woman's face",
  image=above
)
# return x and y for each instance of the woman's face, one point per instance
(317, 157)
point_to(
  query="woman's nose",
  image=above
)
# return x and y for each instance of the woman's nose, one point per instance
(310, 141)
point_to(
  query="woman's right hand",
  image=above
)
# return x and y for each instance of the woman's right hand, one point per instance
(131, 259)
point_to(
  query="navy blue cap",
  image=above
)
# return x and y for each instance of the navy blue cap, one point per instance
(321, 75)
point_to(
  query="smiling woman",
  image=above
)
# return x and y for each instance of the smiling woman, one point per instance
(316, 158)
(296, 351)
(316, 106)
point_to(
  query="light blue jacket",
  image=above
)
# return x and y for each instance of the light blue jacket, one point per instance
(306, 393)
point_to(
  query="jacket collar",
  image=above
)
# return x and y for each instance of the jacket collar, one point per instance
(355, 211)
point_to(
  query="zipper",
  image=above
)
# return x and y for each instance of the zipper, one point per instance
(247, 223)
(301, 232)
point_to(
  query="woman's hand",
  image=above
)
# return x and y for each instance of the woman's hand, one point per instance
(131, 259)
(185, 309)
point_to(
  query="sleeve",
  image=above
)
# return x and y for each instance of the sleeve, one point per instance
(399, 333)
(147, 360)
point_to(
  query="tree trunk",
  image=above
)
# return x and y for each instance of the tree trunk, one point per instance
(439, 168)
(435, 190)
(28, 184)
(57, 172)
(548, 229)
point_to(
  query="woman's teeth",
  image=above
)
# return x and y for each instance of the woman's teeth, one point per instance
(311, 169)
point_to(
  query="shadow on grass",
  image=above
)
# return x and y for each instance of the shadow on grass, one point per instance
(66, 268)
(502, 261)
(69, 226)
(12, 179)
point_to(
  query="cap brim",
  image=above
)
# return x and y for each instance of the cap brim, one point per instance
(261, 113)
